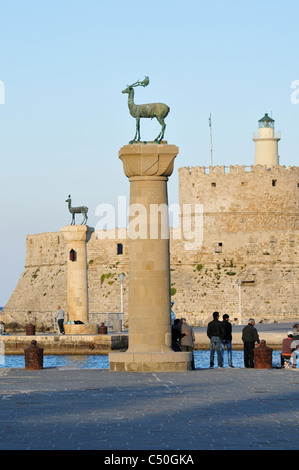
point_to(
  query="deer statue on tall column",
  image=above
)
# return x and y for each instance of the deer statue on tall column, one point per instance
(157, 110)
(77, 210)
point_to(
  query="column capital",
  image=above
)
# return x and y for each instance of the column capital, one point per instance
(148, 159)
(76, 233)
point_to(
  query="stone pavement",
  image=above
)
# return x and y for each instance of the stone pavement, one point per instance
(217, 409)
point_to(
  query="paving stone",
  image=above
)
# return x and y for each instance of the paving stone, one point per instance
(197, 410)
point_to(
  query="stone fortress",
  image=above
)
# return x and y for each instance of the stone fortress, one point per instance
(245, 263)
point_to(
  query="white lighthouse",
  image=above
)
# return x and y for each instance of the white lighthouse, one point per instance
(266, 144)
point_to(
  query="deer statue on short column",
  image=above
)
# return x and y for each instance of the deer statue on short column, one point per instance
(157, 110)
(77, 210)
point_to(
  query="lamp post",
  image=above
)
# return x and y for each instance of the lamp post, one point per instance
(240, 301)
(121, 278)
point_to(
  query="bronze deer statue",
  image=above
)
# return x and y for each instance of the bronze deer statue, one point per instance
(152, 110)
(77, 210)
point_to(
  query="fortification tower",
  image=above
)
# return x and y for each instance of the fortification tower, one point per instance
(250, 229)
(266, 144)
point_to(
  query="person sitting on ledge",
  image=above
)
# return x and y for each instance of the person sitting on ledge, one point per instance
(286, 352)
(295, 352)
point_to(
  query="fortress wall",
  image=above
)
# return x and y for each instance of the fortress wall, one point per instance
(269, 290)
(104, 267)
(238, 190)
(42, 285)
(248, 212)
(251, 225)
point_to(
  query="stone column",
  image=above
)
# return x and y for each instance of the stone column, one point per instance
(148, 167)
(76, 237)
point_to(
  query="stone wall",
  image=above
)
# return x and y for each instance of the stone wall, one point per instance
(42, 286)
(250, 231)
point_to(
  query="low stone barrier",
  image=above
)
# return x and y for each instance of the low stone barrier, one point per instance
(103, 344)
(66, 344)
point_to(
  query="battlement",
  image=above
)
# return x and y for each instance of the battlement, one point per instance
(238, 170)
(240, 187)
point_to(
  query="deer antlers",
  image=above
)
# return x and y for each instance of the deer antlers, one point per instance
(144, 82)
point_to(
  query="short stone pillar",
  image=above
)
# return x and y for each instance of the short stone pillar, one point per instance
(102, 329)
(148, 167)
(34, 357)
(76, 237)
(262, 356)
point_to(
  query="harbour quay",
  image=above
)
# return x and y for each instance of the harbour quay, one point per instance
(166, 412)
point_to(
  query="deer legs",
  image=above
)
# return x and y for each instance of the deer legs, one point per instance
(85, 218)
(160, 135)
(137, 135)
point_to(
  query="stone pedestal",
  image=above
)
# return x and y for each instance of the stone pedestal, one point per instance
(148, 167)
(262, 356)
(34, 357)
(76, 237)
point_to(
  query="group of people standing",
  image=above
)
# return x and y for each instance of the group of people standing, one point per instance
(220, 334)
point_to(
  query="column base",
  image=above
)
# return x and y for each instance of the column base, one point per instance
(150, 362)
(81, 329)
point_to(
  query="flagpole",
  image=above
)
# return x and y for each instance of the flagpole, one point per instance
(210, 124)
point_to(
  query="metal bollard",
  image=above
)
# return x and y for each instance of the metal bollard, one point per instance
(262, 356)
(30, 330)
(34, 357)
(102, 329)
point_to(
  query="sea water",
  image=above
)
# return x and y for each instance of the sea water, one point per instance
(201, 359)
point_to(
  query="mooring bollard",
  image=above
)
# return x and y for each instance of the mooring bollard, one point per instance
(30, 330)
(34, 357)
(102, 329)
(262, 356)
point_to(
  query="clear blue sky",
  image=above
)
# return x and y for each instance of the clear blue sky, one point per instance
(64, 64)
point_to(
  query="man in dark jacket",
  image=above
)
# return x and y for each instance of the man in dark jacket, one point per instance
(214, 333)
(176, 335)
(226, 337)
(249, 337)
